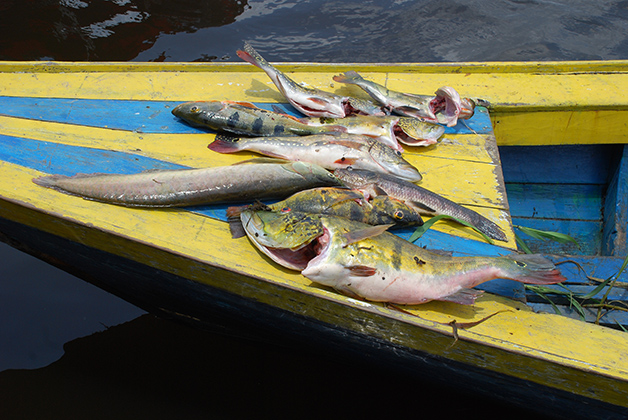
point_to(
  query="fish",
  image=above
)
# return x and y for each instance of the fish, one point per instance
(329, 151)
(422, 200)
(342, 202)
(184, 187)
(444, 108)
(389, 129)
(243, 118)
(310, 101)
(360, 262)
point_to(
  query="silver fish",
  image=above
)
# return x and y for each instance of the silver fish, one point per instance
(184, 187)
(422, 200)
(310, 101)
(444, 107)
(328, 151)
(389, 129)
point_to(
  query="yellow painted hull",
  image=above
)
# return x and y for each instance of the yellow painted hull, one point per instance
(531, 104)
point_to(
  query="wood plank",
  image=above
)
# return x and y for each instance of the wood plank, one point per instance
(584, 274)
(588, 235)
(616, 210)
(609, 319)
(594, 125)
(556, 201)
(581, 164)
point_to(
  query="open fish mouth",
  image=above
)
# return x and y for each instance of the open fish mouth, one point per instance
(307, 256)
(291, 243)
(446, 106)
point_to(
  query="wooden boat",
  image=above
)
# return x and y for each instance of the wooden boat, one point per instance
(561, 131)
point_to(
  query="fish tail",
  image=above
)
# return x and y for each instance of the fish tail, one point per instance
(251, 56)
(532, 269)
(225, 144)
(350, 76)
(235, 211)
(236, 227)
(49, 181)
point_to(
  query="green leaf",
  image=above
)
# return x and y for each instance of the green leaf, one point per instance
(623, 267)
(423, 228)
(524, 247)
(544, 234)
(541, 294)
(597, 290)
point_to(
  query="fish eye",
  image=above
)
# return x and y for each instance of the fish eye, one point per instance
(398, 152)
(398, 214)
(286, 210)
(194, 109)
(520, 264)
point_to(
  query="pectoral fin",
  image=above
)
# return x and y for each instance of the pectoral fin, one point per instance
(463, 296)
(361, 270)
(370, 232)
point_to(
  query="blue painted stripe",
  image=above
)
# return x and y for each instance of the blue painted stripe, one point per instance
(152, 116)
(63, 159)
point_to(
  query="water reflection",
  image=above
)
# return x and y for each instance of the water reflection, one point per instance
(114, 30)
(314, 30)
(150, 368)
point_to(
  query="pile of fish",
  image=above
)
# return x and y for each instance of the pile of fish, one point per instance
(343, 182)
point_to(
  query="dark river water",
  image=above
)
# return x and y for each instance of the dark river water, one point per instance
(71, 350)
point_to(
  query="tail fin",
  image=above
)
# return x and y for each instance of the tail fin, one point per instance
(533, 269)
(224, 144)
(236, 227)
(49, 181)
(234, 211)
(251, 56)
(350, 76)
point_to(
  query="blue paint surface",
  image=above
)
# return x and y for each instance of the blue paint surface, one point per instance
(153, 116)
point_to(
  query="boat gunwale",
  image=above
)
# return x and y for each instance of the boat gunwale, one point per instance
(531, 67)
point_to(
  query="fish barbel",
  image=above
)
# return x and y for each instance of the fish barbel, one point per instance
(342, 202)
(184, 187)
(379, 266)
(420, 199)
(389, 129)
(444, 108)
(310, 101)
(246, 119)
(328, 151)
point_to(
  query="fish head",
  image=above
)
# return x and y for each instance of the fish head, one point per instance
(316, 172)
(414, 132)
(355, 178)
(392, 162)
(446, 106)
(398, 211)
(196, 112)
(287, 237)
(467, 108)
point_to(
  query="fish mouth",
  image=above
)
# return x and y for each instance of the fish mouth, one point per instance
(293, 259)
(446, 106)
(407, 136)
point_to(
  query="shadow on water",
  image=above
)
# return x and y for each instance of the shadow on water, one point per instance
(158, 369)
